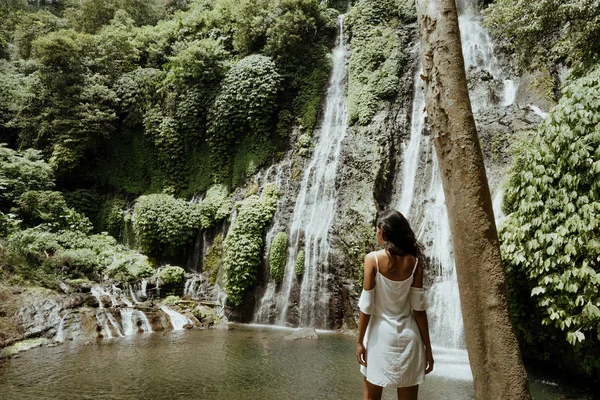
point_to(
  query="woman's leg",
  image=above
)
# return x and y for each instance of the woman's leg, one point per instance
(408, 393)
(372, 392)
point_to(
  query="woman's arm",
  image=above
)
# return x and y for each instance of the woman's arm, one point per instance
(421, 318)
(368, 284)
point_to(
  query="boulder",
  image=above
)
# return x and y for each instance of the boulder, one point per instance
(303, 333)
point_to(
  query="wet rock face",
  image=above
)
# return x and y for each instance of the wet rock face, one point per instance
(369, 160)
(40, 317)
(105, 312)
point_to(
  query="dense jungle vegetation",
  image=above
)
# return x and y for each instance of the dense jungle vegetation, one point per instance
(115, 107)
(551, 237)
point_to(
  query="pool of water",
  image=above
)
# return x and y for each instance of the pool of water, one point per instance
(245, 363)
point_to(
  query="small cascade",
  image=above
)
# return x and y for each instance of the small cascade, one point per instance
(538, 111)
(144, 285)
(264, 311)
(199, 288)
(266, 306)
(134, 321)
(196, 287)
(130, 320)
(178, 321)
(315, 206)
(60, 332)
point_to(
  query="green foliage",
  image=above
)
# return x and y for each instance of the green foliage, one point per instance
(33, 25)
(129, 266)
(171, 300)
(164, 224)
(90, 15)
(307, 103)
(244, 243)
(278, 256)
(212, 259)
(135, 96)
(112, 217)
(243, 108)
(171, 274)
(379, 57)
(249, 157)
(541, 31)
(299, 266)
(37, 207)
(551, 235)
(216, 206)
(72, 254)
(22, 171)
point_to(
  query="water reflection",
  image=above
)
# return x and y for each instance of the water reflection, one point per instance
(246, 363)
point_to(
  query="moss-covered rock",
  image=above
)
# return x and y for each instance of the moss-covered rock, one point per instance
(23, 346)
(243, 245)
(164, 223)
(171, 274)
(278, 256)
(299, 265)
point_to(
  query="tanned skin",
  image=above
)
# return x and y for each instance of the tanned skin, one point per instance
(400, 269)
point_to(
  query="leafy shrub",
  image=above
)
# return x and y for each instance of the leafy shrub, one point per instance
(76, 254)
(278, 256)
(212, 259)
(171, 274)
(542, 31)
(112, 217)
(33, 25)
(379, 57)
(164, 223)
(90, 15)
(37, 207)
(551, 234)
(128, 266)
(244, 243)
(21, 171)
(299, 267)
(243, 108)
(171, 300)
(216, 205)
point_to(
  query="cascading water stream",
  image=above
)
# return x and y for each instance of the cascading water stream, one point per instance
(178, 321)
(315, 205)
(313, 212)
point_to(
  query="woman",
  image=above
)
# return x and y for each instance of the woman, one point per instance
(393, 339)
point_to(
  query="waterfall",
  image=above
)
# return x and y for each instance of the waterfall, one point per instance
(421, 195)
(134, 321)
(178, 321)
(315, 206)
(131, 320)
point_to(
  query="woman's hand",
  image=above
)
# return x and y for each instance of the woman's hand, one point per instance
(428, 360)
(361, 354)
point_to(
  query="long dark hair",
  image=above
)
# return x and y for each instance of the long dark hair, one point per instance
(399, 238)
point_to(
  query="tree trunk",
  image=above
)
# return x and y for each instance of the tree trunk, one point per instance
(494, 353)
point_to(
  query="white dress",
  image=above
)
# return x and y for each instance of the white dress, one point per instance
(395, 351)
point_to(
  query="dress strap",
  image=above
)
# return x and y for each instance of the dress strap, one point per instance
(376, 262)
(415, 268)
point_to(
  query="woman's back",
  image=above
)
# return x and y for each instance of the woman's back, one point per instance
(392, 287)
(400, 269)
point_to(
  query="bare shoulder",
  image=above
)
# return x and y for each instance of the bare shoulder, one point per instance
(370, 260)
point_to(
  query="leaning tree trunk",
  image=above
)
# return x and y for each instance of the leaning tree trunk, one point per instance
(494, 354)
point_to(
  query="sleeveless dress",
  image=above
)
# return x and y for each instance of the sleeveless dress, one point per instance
(395, 353)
